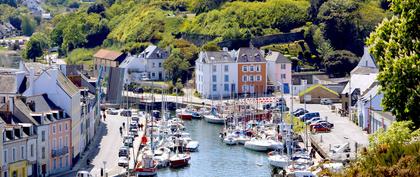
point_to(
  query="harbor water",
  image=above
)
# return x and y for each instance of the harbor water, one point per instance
(215, 159)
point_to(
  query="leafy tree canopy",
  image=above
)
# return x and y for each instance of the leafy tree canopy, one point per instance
(36, 45)
(396, 47)
(340, 62)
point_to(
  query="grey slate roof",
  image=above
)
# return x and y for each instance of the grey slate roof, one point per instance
(364, 70)
(8, 83)
(66, 84)
(154, 52)
(250, 55)
(42, 103)
(20, 105)
(217, 57)
(277, 57)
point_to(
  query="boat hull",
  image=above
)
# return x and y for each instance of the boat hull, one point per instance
(256, 147)
(214, 120)
(185, 116)
(146, 172)
(278, 162)
(179, 163)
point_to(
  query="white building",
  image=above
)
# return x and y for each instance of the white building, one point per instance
(216, 74)
(63, 93)
(148, 65)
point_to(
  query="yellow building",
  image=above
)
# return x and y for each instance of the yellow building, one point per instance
(18, 169)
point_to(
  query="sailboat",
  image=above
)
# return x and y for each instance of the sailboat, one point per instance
(214, 117)
(179, 160)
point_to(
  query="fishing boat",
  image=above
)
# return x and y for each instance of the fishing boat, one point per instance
(179, 160)
(184, 114)
(146, 167)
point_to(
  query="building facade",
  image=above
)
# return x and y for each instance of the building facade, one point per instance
(252, 71)
(279, 71)
(216, 75)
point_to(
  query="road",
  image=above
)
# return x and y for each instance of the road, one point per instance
(344, 130)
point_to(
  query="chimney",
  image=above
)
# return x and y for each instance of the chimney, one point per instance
(31, 80)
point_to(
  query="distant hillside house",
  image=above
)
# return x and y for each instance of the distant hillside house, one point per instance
(148, 65)
(108, 58)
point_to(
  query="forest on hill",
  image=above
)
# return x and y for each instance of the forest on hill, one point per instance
(335, 30)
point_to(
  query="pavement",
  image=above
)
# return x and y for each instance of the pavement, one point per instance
(344, 131)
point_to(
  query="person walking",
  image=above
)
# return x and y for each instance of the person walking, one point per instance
(121, 131)
(104, 117)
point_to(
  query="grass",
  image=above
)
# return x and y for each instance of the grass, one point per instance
(316, 86)
(292, 48)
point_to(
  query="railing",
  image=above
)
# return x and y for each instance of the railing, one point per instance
(59, 152)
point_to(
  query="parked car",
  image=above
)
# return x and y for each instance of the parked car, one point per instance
(133, 134)
(124, 152)
(125, 113)
(314, 119)
(308, 116)
(138, 90)
(123, 162)
(135, 118)
(325, 101)
(128, 142)
(320, 128)
(299, 112)
(322, 122)
(134, 127)
(112, 111)
(83, 174)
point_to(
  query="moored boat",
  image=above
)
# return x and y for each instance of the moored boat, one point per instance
(192, 146)
(214, 119)
(179, 160)
(146, 167)
(258, 145)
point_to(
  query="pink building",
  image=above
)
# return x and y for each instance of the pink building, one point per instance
(279, 71)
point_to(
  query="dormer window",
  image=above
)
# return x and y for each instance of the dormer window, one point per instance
(244, 58)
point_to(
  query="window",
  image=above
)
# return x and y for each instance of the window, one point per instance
(53, 129)
(66, 140)
(244, 78)
(258, 68)
(81, 128)
(233, 87)
(244, 68)
(251, 78)
(153, 64)
(65, 125)
(43, 152)
(5, 157)
(160, 65)
(226, 68)
(60, 142)
(61, 162)
(54, 143)
(67, 160)
(55, 164)
(226, 78)
(214, 88)
(214, 78)
(251, 68)
(244, 88)
(32, 150)
(22, 152)
(214, 68)
(59, 128)
(283, 66)
(14, 155)
(226, 87)
(283, 76)
(42, 136)
(258, 78)
(153, 74)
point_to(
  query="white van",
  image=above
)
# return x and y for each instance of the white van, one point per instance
(83, 174)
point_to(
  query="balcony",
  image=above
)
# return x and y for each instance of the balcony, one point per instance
(60, 152)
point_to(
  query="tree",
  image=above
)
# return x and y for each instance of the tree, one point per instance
(35, 46)
(394, 152)
(28, 25)
(395, 46)
(96, 8)
(338, 18)
(176, 67)
(340, 62)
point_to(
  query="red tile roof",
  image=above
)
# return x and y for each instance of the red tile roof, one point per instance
(107, 54)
